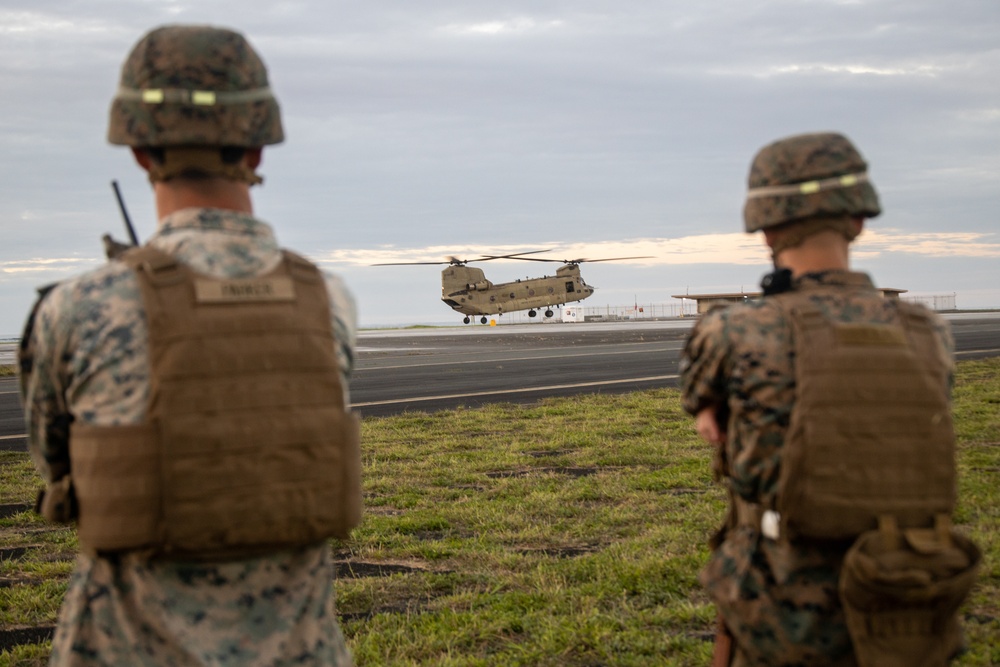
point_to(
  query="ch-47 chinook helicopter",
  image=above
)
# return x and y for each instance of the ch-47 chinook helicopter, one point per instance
(467, 290)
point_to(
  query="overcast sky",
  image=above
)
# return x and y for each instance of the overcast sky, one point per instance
(418, 130)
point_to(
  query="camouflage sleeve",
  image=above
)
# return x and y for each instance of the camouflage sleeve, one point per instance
(43, 386)
(703, 364)
(345, 322)
(943, 329)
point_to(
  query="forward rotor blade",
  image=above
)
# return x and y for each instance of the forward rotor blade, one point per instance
(461, 262)
(611, 259)
(407, 263)
(582, 260)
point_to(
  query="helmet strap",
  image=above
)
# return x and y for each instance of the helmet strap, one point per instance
(199, 161)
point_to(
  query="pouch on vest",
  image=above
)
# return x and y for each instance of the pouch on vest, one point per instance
(901, 590)
(248, 446)
(871, 431)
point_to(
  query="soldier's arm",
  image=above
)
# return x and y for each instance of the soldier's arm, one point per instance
(703, 366)
(43, 385)
(345, 325)
(710, 426)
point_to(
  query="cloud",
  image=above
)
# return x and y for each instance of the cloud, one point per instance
(808, 70)
(29, 23)
(516, 26)
(933, 244)
(59, 267)
(730, 249)
(826, 68)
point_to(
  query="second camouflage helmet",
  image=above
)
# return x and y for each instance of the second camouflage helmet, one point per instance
(808, 176)
(194, 86)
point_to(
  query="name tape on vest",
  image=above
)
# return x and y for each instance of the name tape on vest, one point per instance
(870, 334)
(279, 288)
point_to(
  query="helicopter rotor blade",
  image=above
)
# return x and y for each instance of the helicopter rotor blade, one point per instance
(610, 259)
(516, 255)
(408, 263)
(455, 261)
(533, 259)
(581, 260)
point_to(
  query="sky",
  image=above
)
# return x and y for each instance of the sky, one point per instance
(594, 128)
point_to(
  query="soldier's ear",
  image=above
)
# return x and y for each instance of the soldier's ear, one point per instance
(771, 235)
(142, 158)
(858, 224)
(253, 157)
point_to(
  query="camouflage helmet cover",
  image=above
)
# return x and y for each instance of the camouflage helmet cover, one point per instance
(808, 176)
(194, 86)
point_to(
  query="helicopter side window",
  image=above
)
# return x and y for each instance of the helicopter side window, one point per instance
(569, 287)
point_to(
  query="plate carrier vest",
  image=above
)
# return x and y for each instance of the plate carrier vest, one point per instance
(248, 446)
(871, 431)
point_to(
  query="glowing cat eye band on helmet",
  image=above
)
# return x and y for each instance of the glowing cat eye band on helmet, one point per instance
(808, 187)
(195, 97)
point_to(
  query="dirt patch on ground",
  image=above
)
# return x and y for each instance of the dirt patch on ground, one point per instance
(356, 569)
(11, 637)
(15, 553)
(557, 470)
(566, 551)
(10, 509)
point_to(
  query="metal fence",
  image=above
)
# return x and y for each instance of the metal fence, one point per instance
(637, 311)
(936, 302)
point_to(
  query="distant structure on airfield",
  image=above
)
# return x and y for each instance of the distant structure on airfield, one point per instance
(692, 305)
(706, 302)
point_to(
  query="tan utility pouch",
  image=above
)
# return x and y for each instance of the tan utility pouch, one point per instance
(901, 590)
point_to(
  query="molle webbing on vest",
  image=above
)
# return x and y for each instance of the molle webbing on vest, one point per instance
(248, 446)
(871, 431)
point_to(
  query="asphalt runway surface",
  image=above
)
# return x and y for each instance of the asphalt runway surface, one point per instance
(435, 369)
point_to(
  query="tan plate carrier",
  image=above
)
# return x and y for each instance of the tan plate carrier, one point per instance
(248, 446)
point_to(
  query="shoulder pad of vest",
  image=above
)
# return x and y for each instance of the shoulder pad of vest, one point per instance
(300, 267)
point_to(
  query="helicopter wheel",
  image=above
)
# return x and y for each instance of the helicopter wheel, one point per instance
(532, 313)
(548, 313)
(466, 320)
(482, 320)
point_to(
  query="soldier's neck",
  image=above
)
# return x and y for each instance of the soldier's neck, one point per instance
(813, 256)
(177, 194)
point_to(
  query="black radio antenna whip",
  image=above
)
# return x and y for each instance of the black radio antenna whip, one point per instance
(128, 221)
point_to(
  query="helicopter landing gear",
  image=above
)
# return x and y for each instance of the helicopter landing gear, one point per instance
(548, 313)
(482, 320)
(532, 313)
(466, 320)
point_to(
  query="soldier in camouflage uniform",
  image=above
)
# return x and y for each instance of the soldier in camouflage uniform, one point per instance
(779, 599)
(185, 91)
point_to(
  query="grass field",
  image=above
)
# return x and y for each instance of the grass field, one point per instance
(565, 533)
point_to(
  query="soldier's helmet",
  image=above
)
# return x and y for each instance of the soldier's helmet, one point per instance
(808, 176)
(185, 85)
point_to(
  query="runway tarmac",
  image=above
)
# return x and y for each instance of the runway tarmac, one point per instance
(434, 369)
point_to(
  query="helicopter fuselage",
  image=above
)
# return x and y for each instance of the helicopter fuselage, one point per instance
(467, 290)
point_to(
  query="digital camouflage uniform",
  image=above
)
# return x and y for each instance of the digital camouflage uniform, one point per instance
(91, 360)
(778, 599)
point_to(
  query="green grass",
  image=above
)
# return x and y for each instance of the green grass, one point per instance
(569, 533)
